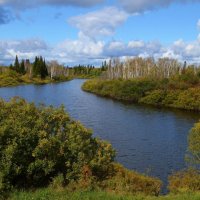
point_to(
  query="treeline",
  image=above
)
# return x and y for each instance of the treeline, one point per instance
(41, 68)
(147, 67)
(165, 82)
(86, 71)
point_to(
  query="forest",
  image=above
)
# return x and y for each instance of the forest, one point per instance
(165, 83)
(41, 71)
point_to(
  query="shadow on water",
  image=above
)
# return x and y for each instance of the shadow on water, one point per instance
(147, 139)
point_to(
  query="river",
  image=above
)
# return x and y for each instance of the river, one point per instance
(149, 140)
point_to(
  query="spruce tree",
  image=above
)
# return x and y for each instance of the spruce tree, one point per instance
(16, 64)
(22, 67)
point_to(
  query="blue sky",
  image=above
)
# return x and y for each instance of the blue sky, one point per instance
(89, 31)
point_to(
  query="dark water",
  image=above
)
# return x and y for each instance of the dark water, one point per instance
(149, 140)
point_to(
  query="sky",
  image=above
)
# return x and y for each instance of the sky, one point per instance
(90, 31)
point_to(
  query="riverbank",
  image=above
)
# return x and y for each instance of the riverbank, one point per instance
(164, 92)
(14, 79)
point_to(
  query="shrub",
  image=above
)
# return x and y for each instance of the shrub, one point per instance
(194, 144)
(185, 181)
(130, 182)
(40, 143)
(155, 97)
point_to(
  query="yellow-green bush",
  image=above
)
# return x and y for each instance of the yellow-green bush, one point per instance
(130, 182)
(158, 93)
(39, 143)
(185, 181)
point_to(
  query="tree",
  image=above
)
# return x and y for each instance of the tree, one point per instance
(43, 70)
(16, 64)
(40, 68)
(22, 67)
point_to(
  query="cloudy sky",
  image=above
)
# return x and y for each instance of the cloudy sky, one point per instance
(89, 31)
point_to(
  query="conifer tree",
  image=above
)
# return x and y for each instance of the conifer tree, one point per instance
(16, 64)
(22, 67)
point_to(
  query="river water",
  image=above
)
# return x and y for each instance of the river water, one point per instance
(149, 140)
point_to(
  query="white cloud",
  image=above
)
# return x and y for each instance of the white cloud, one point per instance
(85, 49)
(24, 48)
(198, 24)
(138, 6)
(99, 23)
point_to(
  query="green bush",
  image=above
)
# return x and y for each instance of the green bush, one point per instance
(42, 145)
(125, 181)
(39, 143)
(165, 92)
(185, 181)
(194, 145)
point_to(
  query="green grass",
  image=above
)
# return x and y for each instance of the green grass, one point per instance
(49, 194)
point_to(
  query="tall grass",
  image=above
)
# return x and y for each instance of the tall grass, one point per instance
(49, 194)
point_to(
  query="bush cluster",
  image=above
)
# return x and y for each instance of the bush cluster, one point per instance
(175, 92)
(41, 146)
(39, 143)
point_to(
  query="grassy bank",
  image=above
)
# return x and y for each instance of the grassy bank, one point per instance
(49, 194)
(12, 78)
(174, 93)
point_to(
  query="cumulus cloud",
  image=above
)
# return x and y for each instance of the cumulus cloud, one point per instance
(24, 48)
(139, 6)
(132, 48)
(85, 49)
(99, 23)
(187, 50)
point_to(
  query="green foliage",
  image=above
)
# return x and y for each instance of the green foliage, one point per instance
(49, 194)
(82, 71)
(37, 144)
(165, 92)
(40, 68)
(16, 65)
(22, 68)
(130, 182)
(127, 90)
(194, 144)
(185, 181)
(42, 145)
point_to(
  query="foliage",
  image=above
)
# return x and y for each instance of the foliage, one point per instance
(42, 145)
(37, 144)
(138, 67)
(185, 181)
(39, 67)
(49, 194)
(165, 92)
(130, 182)
(127, 90)
(88, 71)
(194, 144)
